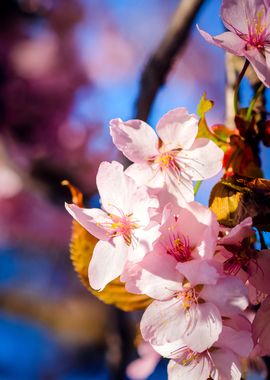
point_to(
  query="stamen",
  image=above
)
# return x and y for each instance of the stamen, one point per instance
(122, 225)
(258, 35)
(167, 162)
(179, 248)
(187, 297)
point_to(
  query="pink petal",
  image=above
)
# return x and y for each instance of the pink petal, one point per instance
(180, 187)
(240, 321)
(177, 129)
(115, 188)
(136, 139)
(227, 364)
(233, 299)
(261, 327)
(259, 271)
(203, 160)
(229, 41)
(145, 174)
(196, 223)
(140, 204)
(143, 242)
(238, 233)
(238, 341)
(155, 276)
(234, 16)
(255, 296)
(107, 262)
(170, 350)
(196, 370)
(260, 60)
(204, 326)
(203, 235)
(93, 220)
(198, 272)
(163, 322)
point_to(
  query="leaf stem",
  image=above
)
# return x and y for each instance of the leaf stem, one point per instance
(253, 102)
(196, 187)
(237, 85)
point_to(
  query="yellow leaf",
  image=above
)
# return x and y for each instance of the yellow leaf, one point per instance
(219, 134)
(204, 106)
(236, 198)
(81, 250)
(224, 203)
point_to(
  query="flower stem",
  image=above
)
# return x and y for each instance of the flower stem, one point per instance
(237, 85)
(196, 187)
(253, 102)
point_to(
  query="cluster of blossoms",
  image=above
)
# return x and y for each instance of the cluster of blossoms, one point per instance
(201, 276)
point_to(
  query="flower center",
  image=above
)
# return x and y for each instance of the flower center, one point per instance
(189, 356)
(240, 259)
(257, 31)
(122, 225)
(167, 161)
(179, 249)
(188, 297)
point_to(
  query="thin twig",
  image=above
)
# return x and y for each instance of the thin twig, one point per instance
(231, 76)
(160, 63)
(237, 85)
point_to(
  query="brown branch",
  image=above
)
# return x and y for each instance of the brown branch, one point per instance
(160, 63)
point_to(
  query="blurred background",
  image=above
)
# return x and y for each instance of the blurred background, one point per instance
(66, 68)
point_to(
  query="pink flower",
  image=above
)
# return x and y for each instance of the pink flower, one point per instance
(120, 226)
(188, 232)
(247, 263)
(173, 158)
(187, 235)
(248, 22)
(221, 361)
(217, 363)
(193, 310)
(234, 248)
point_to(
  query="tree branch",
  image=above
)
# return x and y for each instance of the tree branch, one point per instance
(160, 63)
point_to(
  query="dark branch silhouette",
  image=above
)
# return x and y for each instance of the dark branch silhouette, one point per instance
(156, 70)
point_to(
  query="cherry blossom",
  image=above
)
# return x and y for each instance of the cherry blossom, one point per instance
(221, 361)
(248, 23)
(194, 308)
(187, 235)
(121, 225)
(240, 259)
(173, 158)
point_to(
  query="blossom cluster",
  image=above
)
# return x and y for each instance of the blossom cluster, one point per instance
(201, 276)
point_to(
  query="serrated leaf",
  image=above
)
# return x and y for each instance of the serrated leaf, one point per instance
(235, 199)
(81, 250)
